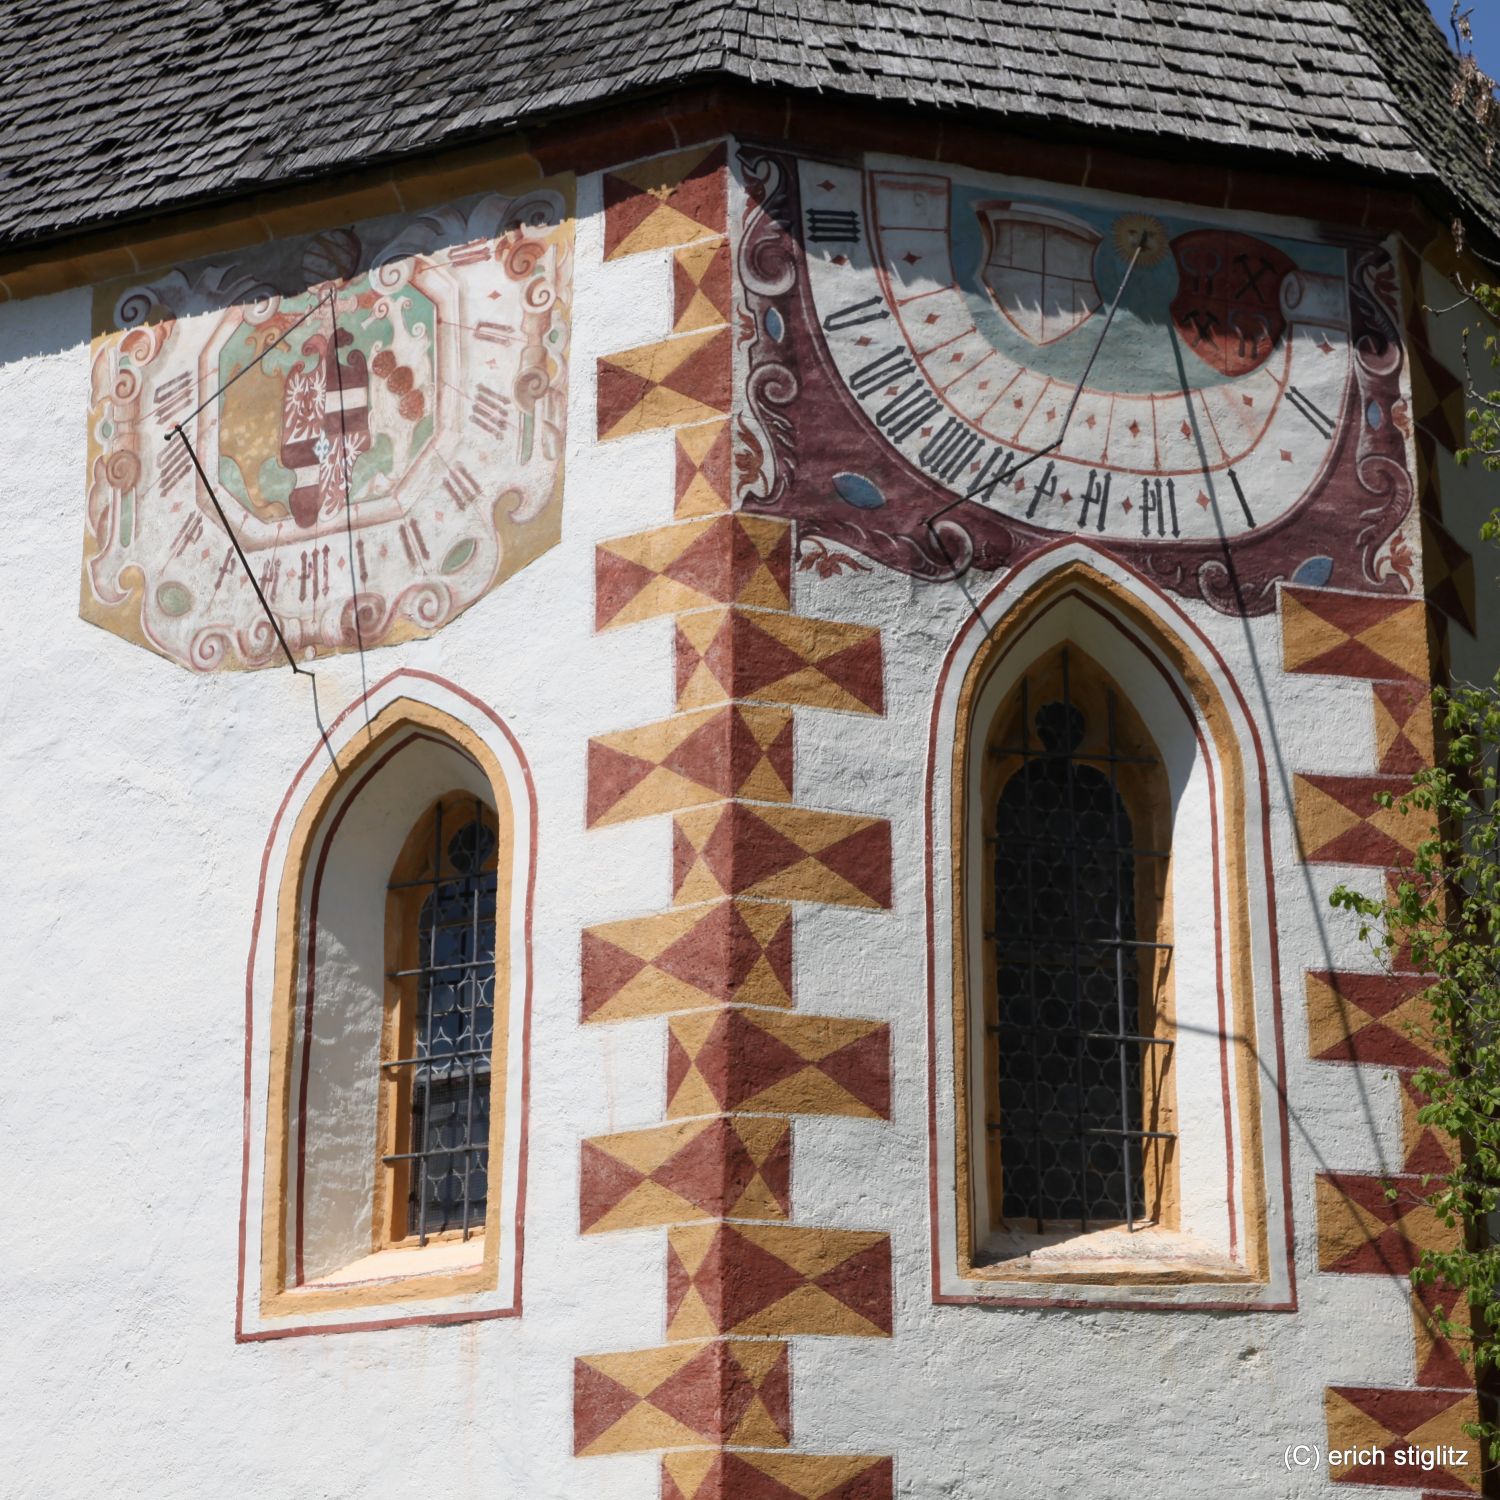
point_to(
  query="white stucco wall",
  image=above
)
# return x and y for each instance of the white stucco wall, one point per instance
(1015, 1401)
(136, 801)
(141, 795)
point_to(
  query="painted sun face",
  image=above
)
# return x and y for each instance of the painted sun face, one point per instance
(975, 333)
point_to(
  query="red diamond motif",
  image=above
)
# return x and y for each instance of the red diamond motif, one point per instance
(863, 341)
(1051, 413)
(1126, 505)
(930, 319)
(827, 186)
(955, 359)
(839, 260)
(1248, 400)
(1089, 420)
(1203, 500)
(1020, 485)
(911, 257)
(1286, 457)
(1187, 431)
(1135, 429)
(1323, 346)
(1018, 403)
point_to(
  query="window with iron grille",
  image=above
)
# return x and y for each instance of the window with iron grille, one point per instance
(1079, 1038)
(439, 1048)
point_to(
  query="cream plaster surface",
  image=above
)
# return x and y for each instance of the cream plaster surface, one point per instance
(137, 799)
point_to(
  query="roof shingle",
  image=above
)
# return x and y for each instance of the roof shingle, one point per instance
(149, 105)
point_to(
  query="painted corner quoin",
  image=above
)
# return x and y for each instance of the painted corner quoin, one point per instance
(381, 411)
(934, 380)
(744, 1279)
(1376, 1019)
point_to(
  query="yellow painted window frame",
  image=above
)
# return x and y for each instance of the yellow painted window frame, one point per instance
(278, 1298)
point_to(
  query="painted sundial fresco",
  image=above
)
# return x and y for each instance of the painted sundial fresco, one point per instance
(381, 412)
(946, 370)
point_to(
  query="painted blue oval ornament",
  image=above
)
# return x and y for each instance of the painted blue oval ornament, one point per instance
(856, 490)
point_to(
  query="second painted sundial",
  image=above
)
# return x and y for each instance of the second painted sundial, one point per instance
(1060, 366)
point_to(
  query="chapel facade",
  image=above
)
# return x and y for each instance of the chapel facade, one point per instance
(690, 690)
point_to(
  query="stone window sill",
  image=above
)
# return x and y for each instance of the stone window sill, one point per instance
(1148, 1256)
(450, 1257)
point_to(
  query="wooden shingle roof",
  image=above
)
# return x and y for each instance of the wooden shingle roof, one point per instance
(145, 106)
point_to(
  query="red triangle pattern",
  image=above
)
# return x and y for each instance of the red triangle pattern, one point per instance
(863, 1068)
(1442, 1368)
(1364, 843)
(712, 1171)
(598, 1403)
(714, 467)
(612, 776)
(864, 860)
(699, 196)
(1425, 1149)
(617, 580)
(754, 1060)
(692, 1394)
(618, 392)
(604, 1181)
(1400, 1413)
(718, 953)
(1370, 1041)
(706, 375)
(714, 282)
(749, 662)
(1391, 1252)
(606, 971)
(734, 1477)
(1403, 702)
(863, 1283)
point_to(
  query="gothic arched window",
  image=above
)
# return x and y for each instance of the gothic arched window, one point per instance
(394, 1122)
(440, 1025)
(1078, 1036)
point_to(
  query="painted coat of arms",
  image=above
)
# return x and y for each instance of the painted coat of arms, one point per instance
(382, 415)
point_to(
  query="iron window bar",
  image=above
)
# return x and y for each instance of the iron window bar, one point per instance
(1025, 940)
(442, 968)
(436, 1058)
(994, 838)
(453, 1071)
(1024, 1117)
(1004, 752)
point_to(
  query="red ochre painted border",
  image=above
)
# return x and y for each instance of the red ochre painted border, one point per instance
(241, 1335)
